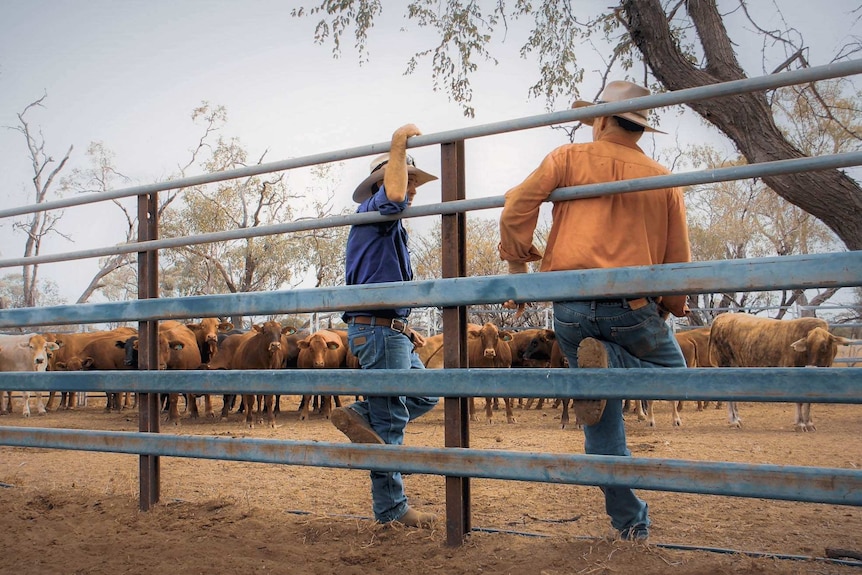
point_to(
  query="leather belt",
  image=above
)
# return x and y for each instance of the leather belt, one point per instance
(633, 304)
(395, 324)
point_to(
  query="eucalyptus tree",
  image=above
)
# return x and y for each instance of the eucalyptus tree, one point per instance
(669, 45)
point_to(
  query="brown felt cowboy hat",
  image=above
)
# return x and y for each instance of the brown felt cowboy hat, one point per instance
(378, 170)
(619, 91)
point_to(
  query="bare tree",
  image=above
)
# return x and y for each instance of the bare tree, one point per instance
(40, 224)
(100, 177)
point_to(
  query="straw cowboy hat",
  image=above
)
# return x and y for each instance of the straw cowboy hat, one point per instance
(378, 170)
(619, 91)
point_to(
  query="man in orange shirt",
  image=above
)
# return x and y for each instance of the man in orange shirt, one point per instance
(629, 229)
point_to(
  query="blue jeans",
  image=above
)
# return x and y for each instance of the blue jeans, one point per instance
(633, 339)
(379, 347)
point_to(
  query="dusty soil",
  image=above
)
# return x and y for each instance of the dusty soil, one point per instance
(77, 512)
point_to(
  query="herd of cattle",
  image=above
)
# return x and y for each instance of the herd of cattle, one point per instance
(734, 340)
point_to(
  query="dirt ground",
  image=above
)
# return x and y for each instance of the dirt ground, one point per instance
(69, 512)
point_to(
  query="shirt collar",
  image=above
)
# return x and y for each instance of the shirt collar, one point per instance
(619, 139)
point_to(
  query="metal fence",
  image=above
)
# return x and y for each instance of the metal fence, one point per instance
(453, 294)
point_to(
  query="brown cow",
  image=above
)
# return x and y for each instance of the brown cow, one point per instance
(70, 346)
(742, 340)
(324, 349)
(487, 346)
(101, 354)
(263, 349)
(224, 359)
(206, 334)
(178, 348)
(532, 348)
(694, 344)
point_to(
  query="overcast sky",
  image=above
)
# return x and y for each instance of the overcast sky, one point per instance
(129, 74)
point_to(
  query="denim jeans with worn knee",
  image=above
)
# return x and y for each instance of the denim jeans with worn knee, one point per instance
(633, 339)
(380, 347)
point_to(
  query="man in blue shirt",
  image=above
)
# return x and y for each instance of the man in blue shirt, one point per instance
(382, 339)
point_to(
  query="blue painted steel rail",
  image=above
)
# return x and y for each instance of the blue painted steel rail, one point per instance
(759, 170)
(785, 272)
(767, 82)
(834, 385)
(813, 385)
(795, 483)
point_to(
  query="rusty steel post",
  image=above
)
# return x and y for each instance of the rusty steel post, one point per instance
(148, 287)
(454, 261)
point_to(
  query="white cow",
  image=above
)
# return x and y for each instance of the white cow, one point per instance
(27, 352)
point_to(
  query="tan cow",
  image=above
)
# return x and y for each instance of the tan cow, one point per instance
(324, 349)
(488, 346)
(25, 352)
(742, 340)
(431, 354)
(263, 349)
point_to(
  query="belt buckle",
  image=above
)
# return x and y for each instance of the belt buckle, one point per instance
(398, 325)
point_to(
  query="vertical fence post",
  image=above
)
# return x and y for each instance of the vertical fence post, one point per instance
(148, 348)
(454, 262)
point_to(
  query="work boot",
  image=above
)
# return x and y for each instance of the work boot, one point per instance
(635, 533)
(591, 354)
(354, 426)
(415, 518)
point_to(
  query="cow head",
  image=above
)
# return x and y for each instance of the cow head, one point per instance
(273, 335)
(820, 346)
(316, 347)
(40, 350)
(131, 347)
(207, 335)
(71, 364)
(541, 344)
(490, 336)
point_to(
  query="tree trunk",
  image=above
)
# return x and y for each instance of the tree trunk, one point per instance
(830, 195)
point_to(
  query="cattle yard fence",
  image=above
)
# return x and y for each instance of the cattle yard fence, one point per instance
(456, 460)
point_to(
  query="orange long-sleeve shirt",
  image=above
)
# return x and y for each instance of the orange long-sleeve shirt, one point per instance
(630, 229)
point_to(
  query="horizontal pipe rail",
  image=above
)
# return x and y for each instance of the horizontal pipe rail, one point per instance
(778, 167)
(767, 82)
(814, 385)
(785, 272)
(794, 483)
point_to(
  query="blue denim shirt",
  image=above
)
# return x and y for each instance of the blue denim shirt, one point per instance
(377, 253)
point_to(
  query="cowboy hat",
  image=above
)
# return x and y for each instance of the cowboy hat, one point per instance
(378, 170)
(619, 91)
